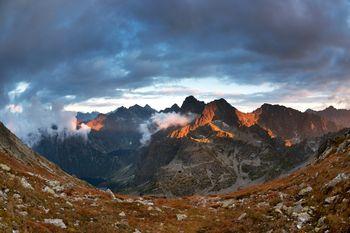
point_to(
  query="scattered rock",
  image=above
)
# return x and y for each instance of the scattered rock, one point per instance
(5, 167)
(321, 225)
(55, 185)
(282, 195)
(181, 217)
(330, 200)
(26, 184)
(158, 209)
(242, 216)
(339, 178)
(110, 193)
(48, 190)
(343, 147)
(303, 218)
(45, 210)
(23, 213)
(297, 207)
(3, 195)
(57, 222)
(321, 221)
(228, 203)
(122, 214)
(278, 208)
(305, 191)
(145, 202)
(263, 204)
(137, 231)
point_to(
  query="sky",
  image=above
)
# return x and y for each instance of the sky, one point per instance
(87, 55)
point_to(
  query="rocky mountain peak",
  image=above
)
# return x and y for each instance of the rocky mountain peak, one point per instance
(173, 108)
(135, 106)
(218, 110)
(331, 108)
(148, 107)
(191, 104)
(275, 108)
(133, 111)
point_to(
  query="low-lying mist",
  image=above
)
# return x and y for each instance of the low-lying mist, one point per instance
(32, 120)
(160, 121)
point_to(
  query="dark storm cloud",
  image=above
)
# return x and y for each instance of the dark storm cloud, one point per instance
(47, 42)
(284, 33)
(91, 48)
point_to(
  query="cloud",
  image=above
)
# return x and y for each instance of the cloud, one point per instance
(103, 49)
(161, 121)
(32, 120)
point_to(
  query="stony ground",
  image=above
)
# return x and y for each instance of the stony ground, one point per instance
(35, 196)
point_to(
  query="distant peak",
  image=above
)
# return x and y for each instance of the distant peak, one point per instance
(331, 108)
(190, 98)
(121, 107)
(191, 104)
(221, 101)
(266, 105)
(219, 109)
(274, 106)
(135, 106)
(173, 108)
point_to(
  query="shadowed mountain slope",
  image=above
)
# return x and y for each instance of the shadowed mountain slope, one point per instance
(339, 116)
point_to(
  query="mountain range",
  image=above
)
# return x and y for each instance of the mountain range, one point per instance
(339, 116)
(219, 149)
(37, 196)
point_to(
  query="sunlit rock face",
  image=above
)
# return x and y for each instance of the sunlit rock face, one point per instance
(97, 123)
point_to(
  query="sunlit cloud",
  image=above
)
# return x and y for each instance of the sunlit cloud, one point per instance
(14, 108)
(19, 89)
